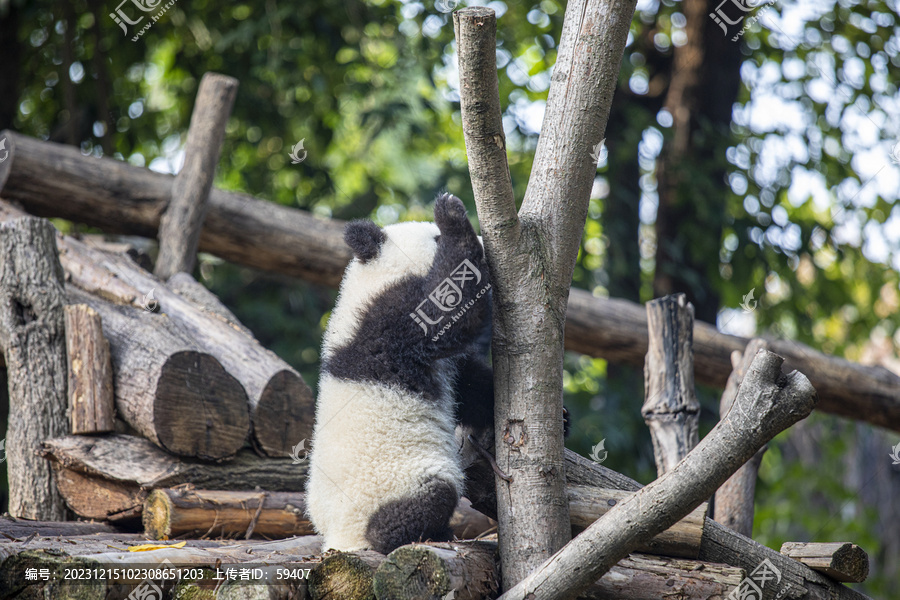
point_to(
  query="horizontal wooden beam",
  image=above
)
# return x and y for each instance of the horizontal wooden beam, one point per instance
(54, 180)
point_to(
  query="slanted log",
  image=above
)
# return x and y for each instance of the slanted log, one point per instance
(91, 403)
(109, 477)
(32, 337)
(170, 513)
(841, 561)
(734, 500)
(469, 571)
(181, 223)
(188, 287)
(54, 180)
(671, 410)
(345, 575)
(160, 371)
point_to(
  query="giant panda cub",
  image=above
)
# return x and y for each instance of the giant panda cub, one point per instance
(400, 371)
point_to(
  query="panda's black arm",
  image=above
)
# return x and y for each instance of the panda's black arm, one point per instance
(455, 294)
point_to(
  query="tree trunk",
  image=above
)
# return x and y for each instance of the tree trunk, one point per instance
(91, 402)
(532, 256)
(32, 336)
(180, 225)
(158, 371)
(671, 409)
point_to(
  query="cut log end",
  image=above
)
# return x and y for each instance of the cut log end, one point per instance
(284, 414)
(201, 410)
(157, 515)
(342, 575)
(841, 561)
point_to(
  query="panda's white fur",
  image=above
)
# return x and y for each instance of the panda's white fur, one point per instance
(396, 440)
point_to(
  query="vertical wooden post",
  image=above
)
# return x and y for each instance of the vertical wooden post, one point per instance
(733, 506)
(32, 336)
(91, 404)
(671, 409)
(179, 228)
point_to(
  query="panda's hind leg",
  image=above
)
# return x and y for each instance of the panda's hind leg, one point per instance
(424, 516)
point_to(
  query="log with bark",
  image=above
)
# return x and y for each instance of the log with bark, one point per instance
(734, 500)
(32, 337)
(281, 404)
(177, 512)
(109, 477)
(842, 561)
(54, 180)
(181, 223)
(469, 571)
(671, 410)
(345, 575)
(166, 387)
(91, 401)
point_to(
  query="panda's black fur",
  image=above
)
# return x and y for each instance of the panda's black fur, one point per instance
(385, 467)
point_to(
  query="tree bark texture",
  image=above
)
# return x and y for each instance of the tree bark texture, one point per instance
(768, 403)
(180, 225)
(33, 339)
(53, 180)
(91, 402)
(734, 500)
(671, 409)
(532, 256)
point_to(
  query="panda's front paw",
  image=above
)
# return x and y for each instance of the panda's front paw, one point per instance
(451, 217)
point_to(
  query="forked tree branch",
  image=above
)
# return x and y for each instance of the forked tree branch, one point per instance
(768, 402)
(479, 97)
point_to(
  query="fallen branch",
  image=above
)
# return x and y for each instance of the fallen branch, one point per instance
(768, 403)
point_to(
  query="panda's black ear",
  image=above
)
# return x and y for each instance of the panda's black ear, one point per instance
(364, 238)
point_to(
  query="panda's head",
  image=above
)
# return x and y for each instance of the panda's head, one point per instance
(384, 255)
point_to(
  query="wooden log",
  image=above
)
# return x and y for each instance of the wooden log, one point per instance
(181, 223)
(281, 404)
(587, 504)
(345, 575)
(468, 571)
(109, 477)
(841, 561)
(159, 370)
(170, 513)
(188, 287)
(734, 499)
(91, 403)
(671, 409)
(32, 337)
(54, 180)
